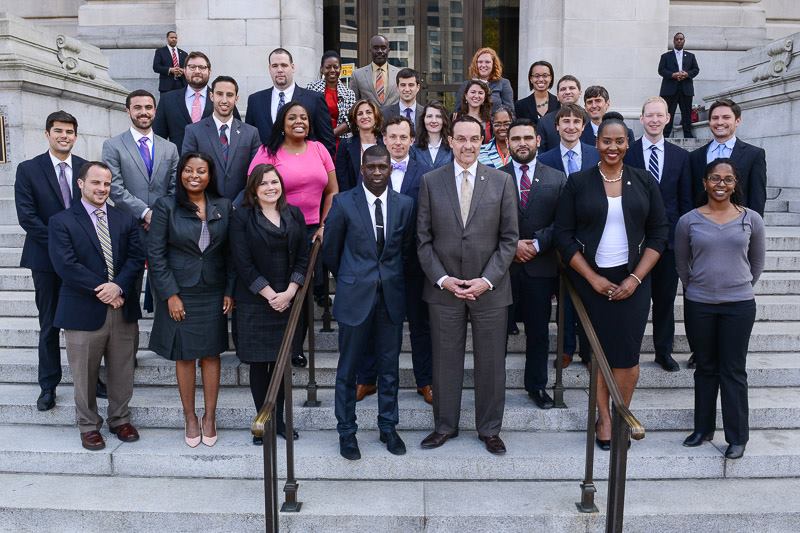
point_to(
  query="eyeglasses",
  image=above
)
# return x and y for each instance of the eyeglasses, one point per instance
(715, 180)
(201, 68)
(541, 76)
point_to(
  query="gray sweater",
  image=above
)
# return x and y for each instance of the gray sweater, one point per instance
(719, 263)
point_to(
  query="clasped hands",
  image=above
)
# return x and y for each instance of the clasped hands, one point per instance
(525, 251)
(279, 301)
(680, 75)
(177, 312)
(613, 291)
(110, 294)
(469, 289)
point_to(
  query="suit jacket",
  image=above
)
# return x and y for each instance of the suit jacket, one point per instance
(423, 156)
(174, 258)
(751, 165)
(393, 110)
(132, 189)
(546, 128)
(536, 220)
(243, 143)
(668, 65)
(588, 136)
(348, 162)
(675, 184)
(484, 247)
(79, 261)
(37, 197)
(363, 85)
(552, 158)
(526, 107)
(162, 62)
(350, 251)
(259, 115)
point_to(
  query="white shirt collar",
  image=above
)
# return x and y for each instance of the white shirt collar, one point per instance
(219, 124)
(56, 161)
(646, 144)
(459, 170)
(518, 170)
(412, 107)
(371, 197)
(564, 149)
(287, 92)
(137, 136)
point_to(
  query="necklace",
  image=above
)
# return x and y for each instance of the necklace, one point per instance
(618, 178)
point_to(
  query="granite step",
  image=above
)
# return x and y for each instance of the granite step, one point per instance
(8, 211)
(782, 219)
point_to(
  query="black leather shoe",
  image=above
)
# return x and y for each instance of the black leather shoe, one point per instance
(258, 441)
(697, 438)
(690, 363)
(299, 361)
(734, 451)
(604, 445)
(434, 440)
(541, 399)
(393, 442)
(281, 432)
(494, 444)
(101, 391)
(348, 448)
(668, 363)
(513, 330)
(47, 400)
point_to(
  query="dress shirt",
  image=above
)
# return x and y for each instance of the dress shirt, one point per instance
(646, 144)
(712, 154)
(565, 159)
(220, 123)
(174, 51)
(384, 208)
(413, 108)
(385, 69)
(434, 150)
(136, 137)
(518, 175)
(287, 97)
(189, 99)
(67, 171)
(398, 175)
(679, 58)
(90, 209)
(595, 128)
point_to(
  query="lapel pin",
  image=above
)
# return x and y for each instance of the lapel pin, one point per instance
(482, 178)
(536, 179)
(237, 132)
(629, 183)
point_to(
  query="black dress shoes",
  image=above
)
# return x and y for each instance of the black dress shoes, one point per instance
(690, 363)
(697, 438)
(281, 431)
(734, 451)
(541, 399)
(393, 442)
(47, 400)
(668, 363)
(348, 448)
(299, 361)
(258, 441)
(101, 391)
(494, 444)
(604, 445)
(434, 440)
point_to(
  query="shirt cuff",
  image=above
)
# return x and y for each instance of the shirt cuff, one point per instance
(536, 245)
(144, 213)
(258, 285)
(440, 281)
(298, 278)
(491, 287)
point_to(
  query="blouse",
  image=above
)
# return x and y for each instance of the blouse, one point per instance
(346, 99)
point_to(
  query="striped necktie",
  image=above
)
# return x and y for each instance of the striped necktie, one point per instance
(105, 241)
(652, 165)
(380, 90)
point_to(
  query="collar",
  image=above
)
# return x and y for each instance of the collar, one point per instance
(412, 107)
(137, 136)
(371, 197)
(90, 209)
(405, 160)
(517, 164)
(728, 144)
(678, 51)
(288, 92)
(646, 144)
(376, 68)
(56, 161)
(220, 123)
(189, 93)
(459, 170)
(576, 149)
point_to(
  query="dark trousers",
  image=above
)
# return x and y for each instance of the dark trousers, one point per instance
(573, 329)
(533, 297)
(685, 103)
(720, 334)
(47, 285)
(664, 287)
(260, 376)
(318, 288)
(380, 336)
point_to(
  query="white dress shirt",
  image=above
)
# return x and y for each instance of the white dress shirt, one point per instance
(679, 59)
(433, 149)
(136, 137)
(646, 144)
(518, 175)
(713, 148)
(287, 97)
(578, 156)
(67, 171)
(189, 99)
(219, 124)
(371, 207)
(398, 175)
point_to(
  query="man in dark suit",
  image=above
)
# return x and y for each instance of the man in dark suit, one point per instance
(724, 116)
(568, 91)
(596, 102)
(669, 165)
(263, 106)
(167, 63)
(408, 86)
(369, 233)
(467, 236)
(677, 69)
(97, 252)
(230, 142)
(534, 273)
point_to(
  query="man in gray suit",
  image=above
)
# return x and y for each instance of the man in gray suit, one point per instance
(408, 86)
(229, 141)
(467, 234)
(377, 81)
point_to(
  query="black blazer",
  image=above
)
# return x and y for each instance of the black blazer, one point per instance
(173, 255)
(162, 62)
(583, 208)
(668, 65)
(259, 115)
(348, 162)
(37, 197)
(251, 255)
(751, 165)
(79, 261)
(675, 184)
(552, 158)
(526, 107)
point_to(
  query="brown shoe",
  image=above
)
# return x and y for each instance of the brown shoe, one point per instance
(92, 440)
(494, 444)
(126, 433)
(362, 391)
(434, 440)
(566, 360)
(427, 393)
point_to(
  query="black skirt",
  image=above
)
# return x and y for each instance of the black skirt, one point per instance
(259, 332)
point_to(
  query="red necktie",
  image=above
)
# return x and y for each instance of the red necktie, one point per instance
(524, 187)
(174, 59)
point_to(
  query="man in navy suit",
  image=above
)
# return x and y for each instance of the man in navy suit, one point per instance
(677, 69)
(369, 234)
(669, 165)
(97, 252)
(568, 91)
(262, 106)
(167, 63)
(408, 86)
(43, 188)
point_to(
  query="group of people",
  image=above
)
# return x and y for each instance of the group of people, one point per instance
(442, 219)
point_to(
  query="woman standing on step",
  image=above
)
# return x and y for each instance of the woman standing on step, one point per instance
(720, 254)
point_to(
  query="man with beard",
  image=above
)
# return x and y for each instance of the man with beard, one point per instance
(378, 80)
(534, 272)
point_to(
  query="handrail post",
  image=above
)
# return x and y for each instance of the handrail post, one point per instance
(588, 489)
(615, 510)
(290, 503)
(326, 304)
(269, 447)
(558, 386)
(311, 387)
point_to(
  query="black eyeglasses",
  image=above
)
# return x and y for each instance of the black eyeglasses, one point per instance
(714, 180)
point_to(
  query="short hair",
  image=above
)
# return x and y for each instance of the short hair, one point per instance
(653, 100)
(570, 110)
(376, 150)
(136, 94)
(406, 73)
(280, 51)
(486, 107)
(678, 33)
(181, 196)
(328, 54)
(195, 54)
(399, 119)
(224, 79)
(596, 91)
(250, 197)
(86, 167)
(278, 131)
(447, 128)
(610, 119)
(376, 129)
(504, 108)
(497, 65)
(171, 31)
(726, 102)
(60, 116)
(522, 122)
(463, 117)
(568, 77)
(545, 64)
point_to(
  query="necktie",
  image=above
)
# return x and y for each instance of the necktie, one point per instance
(399, 166)
(174, 59)
(205, 237)
(408, 113)
(63, 184)
(145, 153)
(466, 196)
(721, 149)
(223, 139)
(105, 241)
(524, 187)
(281, 102)
(652, 165)
(197, 111)
(380, 90)
(572, 163)
(380, 238)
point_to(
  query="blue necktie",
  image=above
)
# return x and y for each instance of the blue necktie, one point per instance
(281, 102)
(572, 163)
(408, 113)
(652, 165)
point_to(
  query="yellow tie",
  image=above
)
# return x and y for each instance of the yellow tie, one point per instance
(466, 196)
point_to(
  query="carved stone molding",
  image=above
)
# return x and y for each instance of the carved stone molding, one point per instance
(780, 55)
(68, 51)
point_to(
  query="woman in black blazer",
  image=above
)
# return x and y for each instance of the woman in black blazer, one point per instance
(367, 120)
(540, 102)
(268, 244)
(193, 281)
(611, 229)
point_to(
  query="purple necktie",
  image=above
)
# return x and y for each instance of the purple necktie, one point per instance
(64, 185)
(399, 166)
(145, 152)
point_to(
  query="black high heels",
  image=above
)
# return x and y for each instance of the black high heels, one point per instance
(697, 438)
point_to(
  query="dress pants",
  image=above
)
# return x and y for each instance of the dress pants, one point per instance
(46, 286)
(573, 329)
(117, 341)
(449, 336)
(380, 336)
(685, 103)
(664, 288)
(720, 334)
(534, 300)
(260, 376)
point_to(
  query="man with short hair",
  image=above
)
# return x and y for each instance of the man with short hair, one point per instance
(597, 102)
(97, 251)
(669, 165)
(677, 69)
(378, 80)
(231, 143)
(167, 62)
(408, 86)
(263, 106)
(568, 91)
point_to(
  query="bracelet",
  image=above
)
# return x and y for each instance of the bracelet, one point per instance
(635, 277)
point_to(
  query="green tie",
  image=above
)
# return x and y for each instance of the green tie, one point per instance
(105, 241)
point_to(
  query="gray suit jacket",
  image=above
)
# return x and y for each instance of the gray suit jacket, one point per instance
(484, 248)
(132, 190)
(243, 143)
(393, 110)
(363, 85)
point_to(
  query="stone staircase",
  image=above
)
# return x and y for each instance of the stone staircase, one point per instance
(49, 483)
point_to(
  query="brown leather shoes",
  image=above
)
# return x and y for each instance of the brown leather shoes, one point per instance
(566, 360)
(494, 444)
(427, 393)
(126, 433)
(92, 440)
(362, 391)
(434, 440)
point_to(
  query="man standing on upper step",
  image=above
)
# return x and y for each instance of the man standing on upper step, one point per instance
(378, 80)
(167, 62)
(677, 69)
